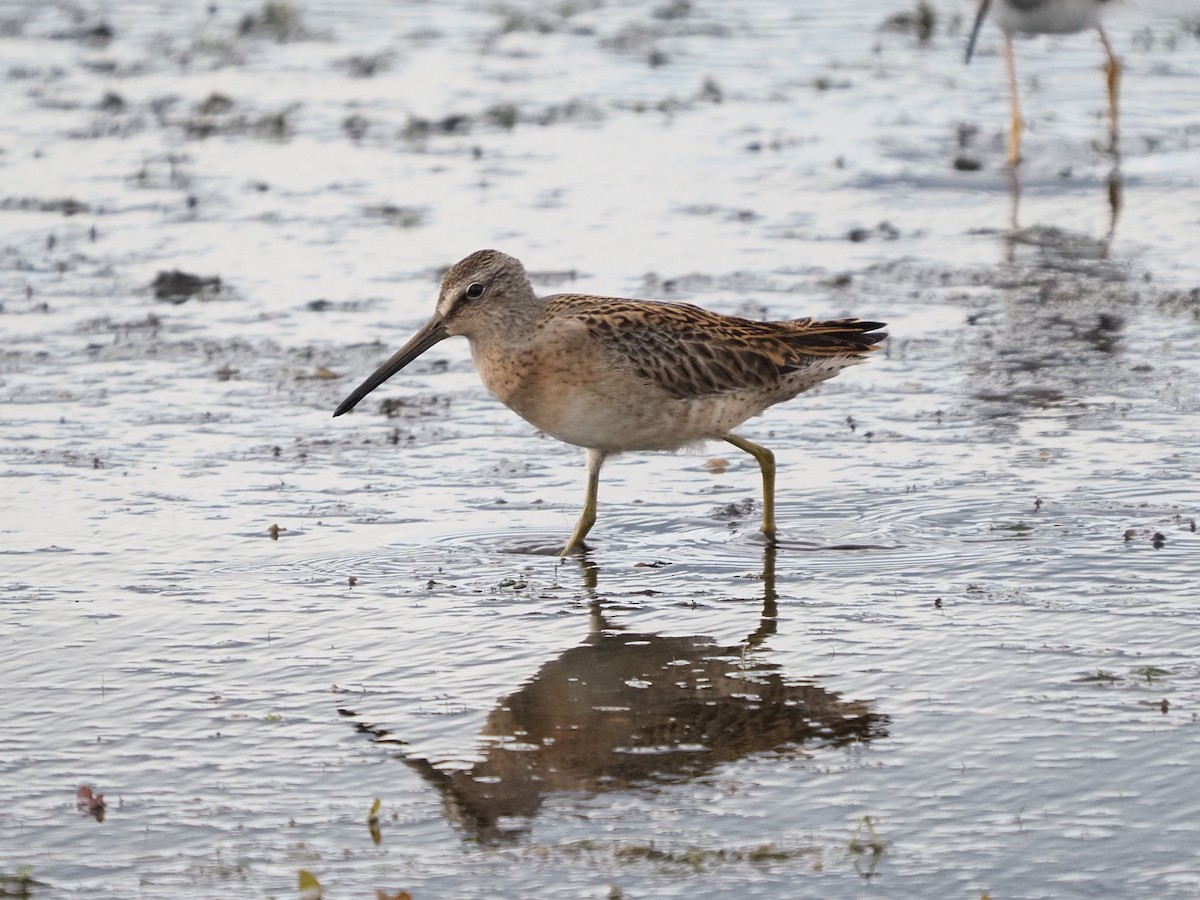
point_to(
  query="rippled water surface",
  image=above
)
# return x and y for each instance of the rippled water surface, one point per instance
(972, 663)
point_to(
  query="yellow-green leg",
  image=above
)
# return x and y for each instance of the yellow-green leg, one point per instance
(766, 462)
(1018, 124)
(1113, 70)
(587, 518)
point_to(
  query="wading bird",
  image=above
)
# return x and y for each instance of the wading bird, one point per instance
(1046, 17)
(613, 375)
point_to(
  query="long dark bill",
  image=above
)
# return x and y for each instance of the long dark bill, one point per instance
(431, 333)
(979, 17)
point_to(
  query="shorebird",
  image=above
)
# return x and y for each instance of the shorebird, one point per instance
(1046, 17)
(613, 375)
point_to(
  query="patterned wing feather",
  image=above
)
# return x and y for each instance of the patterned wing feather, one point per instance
(692, 352)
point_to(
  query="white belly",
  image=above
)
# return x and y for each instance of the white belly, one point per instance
(667, 425)
(1046, 16)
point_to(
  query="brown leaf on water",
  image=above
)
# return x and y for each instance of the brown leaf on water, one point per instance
(716, 465)
(91, 803)
(399, 895)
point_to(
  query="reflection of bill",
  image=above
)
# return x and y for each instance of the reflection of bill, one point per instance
(623, 710)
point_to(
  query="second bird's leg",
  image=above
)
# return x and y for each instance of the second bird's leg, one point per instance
(1113, 70)
(766, 462)
(587, 518)
(1018, 124)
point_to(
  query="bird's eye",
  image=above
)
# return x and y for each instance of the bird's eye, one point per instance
(474, 290)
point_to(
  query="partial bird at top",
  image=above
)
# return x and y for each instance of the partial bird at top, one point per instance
(1046, 17)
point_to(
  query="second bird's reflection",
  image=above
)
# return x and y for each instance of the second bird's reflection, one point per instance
(1074, 241)
(629, 710)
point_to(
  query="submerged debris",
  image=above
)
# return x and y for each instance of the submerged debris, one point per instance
(277, 20)
(98, 34)
(112, 102)
(367, 66)
(400, 216)
(355, 126)
(734, 510)
(68, 206)
(215, 104)
(178, 287)
(884, 230)
(922, 22)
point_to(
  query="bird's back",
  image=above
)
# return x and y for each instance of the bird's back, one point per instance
(692, 352)
(617, 374)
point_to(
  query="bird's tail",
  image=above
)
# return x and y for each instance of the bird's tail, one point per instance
(838, 337)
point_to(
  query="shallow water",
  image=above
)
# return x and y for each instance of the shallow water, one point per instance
(243, 621)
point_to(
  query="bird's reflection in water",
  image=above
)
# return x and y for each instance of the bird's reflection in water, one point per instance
(1051, 337)
(624, 711)
(1065, 243)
